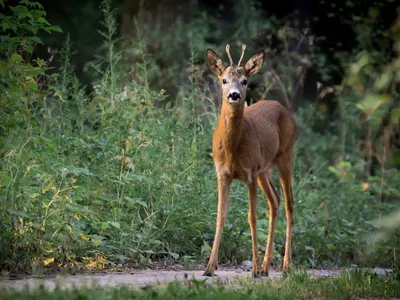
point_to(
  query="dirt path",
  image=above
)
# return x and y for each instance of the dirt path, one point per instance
(147, 277)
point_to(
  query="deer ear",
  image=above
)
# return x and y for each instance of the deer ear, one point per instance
(255, 63)
(215, 62)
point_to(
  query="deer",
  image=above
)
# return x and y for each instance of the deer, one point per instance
(248, 142)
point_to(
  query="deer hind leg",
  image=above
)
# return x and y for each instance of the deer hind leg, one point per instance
(285, 172)
(223, 197)
(264, 181)
(252, 186)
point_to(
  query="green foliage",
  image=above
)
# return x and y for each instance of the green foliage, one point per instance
(21, 80)
(22, 26)
(126, 177)
(373, 74)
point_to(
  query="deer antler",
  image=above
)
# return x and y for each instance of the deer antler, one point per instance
(229, 54)
(241, 57)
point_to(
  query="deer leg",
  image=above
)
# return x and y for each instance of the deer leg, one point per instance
(264, 180)
(285, 173)
(253, 225)
(223, 197)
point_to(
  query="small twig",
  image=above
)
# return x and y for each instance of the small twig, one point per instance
(386, 145)
(268, 87)
(300, 82)
(282, 87)
(301, 39)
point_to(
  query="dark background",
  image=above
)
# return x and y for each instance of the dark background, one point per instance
(332, 20)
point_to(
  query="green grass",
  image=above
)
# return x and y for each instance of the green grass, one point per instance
(349, 285)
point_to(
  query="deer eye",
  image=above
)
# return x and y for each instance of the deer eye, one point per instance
(244, 82)
(224, 81)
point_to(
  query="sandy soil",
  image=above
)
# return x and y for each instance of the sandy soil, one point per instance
(141, 278)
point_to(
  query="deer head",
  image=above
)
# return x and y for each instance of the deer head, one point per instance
(234, 78)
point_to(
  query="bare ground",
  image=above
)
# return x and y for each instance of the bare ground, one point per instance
(140, 278)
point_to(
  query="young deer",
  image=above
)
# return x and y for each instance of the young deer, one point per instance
(247, 144)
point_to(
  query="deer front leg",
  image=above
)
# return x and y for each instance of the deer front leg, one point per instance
(223, 196)
(253, 225)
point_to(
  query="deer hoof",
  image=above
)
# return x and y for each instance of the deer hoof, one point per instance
(256, 276)
(264, 274)
(208, 274)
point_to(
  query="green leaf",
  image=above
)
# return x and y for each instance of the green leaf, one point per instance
(3, 67)
(174, 255)
(115, 224)
(97, 239)
(32, 195)
(36, 39)
(32, 85)
(141, 202)
(333, 170)
(121, 257)
(55, 28)
(96, 242)
(37, 226)
(395, 115)
(42, 20)
(383, 80)
(105, 225)
(21, 12)
(310, 248)
(360, 106)
(28, 48)
(15, 57)
(5, 26)
(18, 213)
(32, 4)
(136, 201)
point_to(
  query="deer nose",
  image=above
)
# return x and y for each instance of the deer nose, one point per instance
(234, 96)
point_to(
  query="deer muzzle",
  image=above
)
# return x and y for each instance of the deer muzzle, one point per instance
(234, 97)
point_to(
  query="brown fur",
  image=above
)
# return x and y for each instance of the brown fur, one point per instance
(247, 144)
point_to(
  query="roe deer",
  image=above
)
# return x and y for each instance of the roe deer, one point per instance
(247, 144)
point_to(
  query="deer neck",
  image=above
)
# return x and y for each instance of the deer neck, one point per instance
(230, 127)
